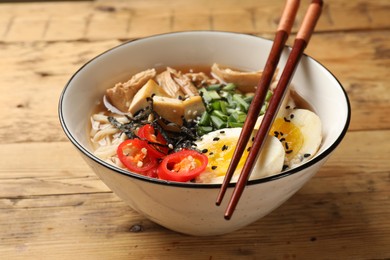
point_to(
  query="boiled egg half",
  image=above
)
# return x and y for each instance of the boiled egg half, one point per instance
(219, 147)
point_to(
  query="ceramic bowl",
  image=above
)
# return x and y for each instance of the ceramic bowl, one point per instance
(186, 207)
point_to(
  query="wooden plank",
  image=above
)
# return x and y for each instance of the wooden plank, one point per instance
(191, 19)
(332, 225)
(28, 28)
(95, 20)
(148, 22)
(233, 20)
(106, 25)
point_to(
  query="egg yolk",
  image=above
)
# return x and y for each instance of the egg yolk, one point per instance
(290, 136)
(220, 153)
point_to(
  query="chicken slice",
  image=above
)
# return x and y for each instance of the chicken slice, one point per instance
(121, 95)
(245, 81)
(165, 80)
(199, 79)
(184, 83)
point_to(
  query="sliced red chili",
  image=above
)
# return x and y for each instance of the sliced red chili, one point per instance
(134, 154)
(157, 143)
(182, 166)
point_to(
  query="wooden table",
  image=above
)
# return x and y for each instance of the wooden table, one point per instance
(52, 205)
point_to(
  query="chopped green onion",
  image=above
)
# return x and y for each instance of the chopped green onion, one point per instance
(216, 105)
(214, 87)
(219, 114)
(214, 94)
(239, 116)
(229, 87)
(202, 130)
(269, 95)
(217, 122)
(235, 124)
(205, 95)
(205, 119)
(223, 105)
(238, 98)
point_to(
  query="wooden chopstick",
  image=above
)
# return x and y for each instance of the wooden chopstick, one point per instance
(303, 36)
(283, 31)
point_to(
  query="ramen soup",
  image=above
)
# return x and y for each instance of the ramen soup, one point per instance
(183, 125)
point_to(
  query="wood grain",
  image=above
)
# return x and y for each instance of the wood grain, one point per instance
(52, 206)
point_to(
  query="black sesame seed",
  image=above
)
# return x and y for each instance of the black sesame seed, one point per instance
(286, 120)
(249, 148)
(222, 132)
(292, 116)
(289, 151)
(180, 97)
(205, 151)
(211, 153)
(306, 155)
(253, 138)
(286, 145)
(213, 167)
(281, 133)
(276, 133)
(215, 138)
(287, 107)
(282, 139)
(224, 147)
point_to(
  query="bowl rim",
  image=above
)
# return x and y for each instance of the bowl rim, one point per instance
(127, 173)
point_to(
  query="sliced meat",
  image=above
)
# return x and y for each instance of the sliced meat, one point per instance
(184, 83)
(199, 79)
(122, 94)
(176, 84)
(165, 80)
(245, 81)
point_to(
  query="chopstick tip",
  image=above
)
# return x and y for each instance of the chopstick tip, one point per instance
(320, 2)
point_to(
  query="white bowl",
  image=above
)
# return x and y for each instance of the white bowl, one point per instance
(186, 207)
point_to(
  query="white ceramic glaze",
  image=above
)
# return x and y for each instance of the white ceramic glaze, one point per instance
(185, 207)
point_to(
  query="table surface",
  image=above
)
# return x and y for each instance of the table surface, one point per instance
(52, 205)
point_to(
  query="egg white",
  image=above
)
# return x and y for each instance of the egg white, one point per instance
(269, 162)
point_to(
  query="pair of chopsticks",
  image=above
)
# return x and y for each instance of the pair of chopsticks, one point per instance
(300, 43)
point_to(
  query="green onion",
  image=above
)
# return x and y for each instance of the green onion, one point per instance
(205, 95)
(226, 106)
(229, 87)
(219, 114)
(223, 105)
(217, 122)
(269, 95)
(238, 116)
(216, 105)
(214, 87)
(205, 119)
(202, 130)
(214, 94)
(235, 124)
(238, 98)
